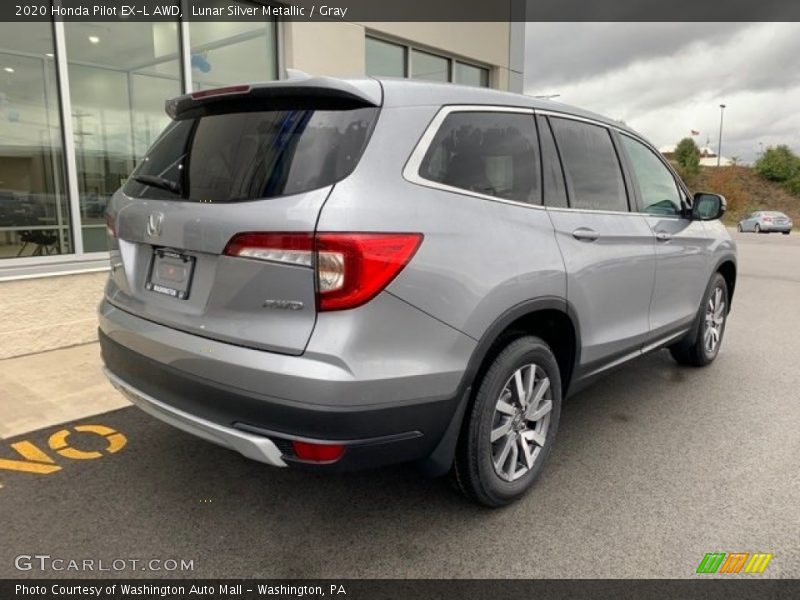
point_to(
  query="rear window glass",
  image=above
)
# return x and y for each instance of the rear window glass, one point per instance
(492, 153)
(233, 157)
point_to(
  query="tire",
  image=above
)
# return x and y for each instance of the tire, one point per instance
(693, 350)
(739, 228)
(475, 469)
(757, 228)
(785, 232)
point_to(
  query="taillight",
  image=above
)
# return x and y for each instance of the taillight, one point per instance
(291, 248)
(351, 268)
(111, 225)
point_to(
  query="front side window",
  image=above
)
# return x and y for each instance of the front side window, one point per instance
(492, 153)
(591, 166)
(657, 186)
(239, 156)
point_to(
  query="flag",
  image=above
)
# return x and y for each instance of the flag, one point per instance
(694, 132)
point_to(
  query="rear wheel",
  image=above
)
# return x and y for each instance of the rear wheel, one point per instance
(786, 233)
(739, 228)
(757, 228)
(702, 347)
(511, 425)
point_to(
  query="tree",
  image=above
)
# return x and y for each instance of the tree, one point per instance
(687, 155)
(779, 164)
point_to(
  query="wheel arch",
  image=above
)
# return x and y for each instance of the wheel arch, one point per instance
(727, 268)
(551, 318)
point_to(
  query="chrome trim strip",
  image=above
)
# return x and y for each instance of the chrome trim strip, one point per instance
(411, 169)
(255, 447)
(412, 166)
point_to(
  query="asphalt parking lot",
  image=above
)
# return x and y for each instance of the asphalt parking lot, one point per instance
(654, 466)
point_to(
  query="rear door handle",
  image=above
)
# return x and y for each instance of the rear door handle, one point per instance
(584, 234)
(663, 236)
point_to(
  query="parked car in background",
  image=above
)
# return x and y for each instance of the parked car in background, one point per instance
(338, 274)
(766, 221)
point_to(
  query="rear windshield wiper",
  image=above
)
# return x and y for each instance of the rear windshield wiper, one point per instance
(159, 182)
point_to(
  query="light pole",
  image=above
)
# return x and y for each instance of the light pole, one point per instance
(719, 145)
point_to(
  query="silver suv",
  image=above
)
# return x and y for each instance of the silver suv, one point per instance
(339, 274)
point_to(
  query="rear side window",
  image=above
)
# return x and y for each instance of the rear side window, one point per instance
(591, 166)
(233, 157)
(492, 153)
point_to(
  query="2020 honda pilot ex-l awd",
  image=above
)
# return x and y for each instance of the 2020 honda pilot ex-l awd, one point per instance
(340, 274)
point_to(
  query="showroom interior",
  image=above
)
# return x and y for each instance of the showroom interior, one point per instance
(80, 103)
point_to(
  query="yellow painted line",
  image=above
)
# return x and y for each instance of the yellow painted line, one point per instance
(36, 461)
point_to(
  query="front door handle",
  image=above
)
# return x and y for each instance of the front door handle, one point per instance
(584, 234)
(663, 236)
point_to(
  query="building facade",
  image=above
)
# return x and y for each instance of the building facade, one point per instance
(80, 103)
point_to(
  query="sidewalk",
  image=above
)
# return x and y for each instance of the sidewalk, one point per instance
(52, 387)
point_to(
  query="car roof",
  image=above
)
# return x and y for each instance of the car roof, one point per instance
(410, 92)
(392, 92)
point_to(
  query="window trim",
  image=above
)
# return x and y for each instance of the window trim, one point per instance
(411, 168)
(414, 162)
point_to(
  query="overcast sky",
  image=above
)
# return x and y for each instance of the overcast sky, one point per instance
(665, 79)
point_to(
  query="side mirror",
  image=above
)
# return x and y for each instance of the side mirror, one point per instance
(708, 207)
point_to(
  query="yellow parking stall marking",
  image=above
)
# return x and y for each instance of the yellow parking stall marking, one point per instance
(58, 442)
(36, 461)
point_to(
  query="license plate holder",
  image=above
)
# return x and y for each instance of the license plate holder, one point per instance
(171, 273)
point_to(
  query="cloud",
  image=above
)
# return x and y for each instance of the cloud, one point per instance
(664, 79)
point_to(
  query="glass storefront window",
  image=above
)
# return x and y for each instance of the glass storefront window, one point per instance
(429, 66)
(471, 75)
(227, 52)
(384, 59)
(34, 215)
(120, 74)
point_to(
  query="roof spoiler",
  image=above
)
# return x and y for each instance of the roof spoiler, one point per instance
(311, 92)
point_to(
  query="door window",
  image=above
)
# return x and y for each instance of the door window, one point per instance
(657, 186)
(492, 153)
(591, 166)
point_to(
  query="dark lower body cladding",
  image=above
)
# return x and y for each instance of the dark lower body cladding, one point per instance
(372, 436)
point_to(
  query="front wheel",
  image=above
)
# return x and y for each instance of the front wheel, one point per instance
(510, 427)
(739, 228)
(701, 347)
(786, 233)
(757, 228)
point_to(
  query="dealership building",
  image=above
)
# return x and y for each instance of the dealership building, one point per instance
(80, 103)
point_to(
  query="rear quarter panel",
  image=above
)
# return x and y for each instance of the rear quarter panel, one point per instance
(479, 257)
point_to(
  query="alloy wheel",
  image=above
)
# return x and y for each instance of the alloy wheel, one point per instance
(521, 421)
(715, 319)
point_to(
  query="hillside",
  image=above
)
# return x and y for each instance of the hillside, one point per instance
(745, 192)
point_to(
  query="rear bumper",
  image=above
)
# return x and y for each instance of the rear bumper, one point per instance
(256, 447)
(212, 390)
